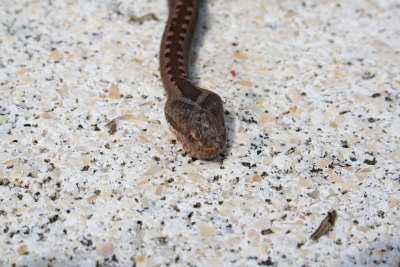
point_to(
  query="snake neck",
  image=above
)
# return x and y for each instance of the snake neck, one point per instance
(176, 46)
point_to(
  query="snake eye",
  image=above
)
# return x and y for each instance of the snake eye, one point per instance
(190, 137)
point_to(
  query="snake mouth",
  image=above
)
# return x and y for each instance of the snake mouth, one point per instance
(205, 150)
(207, 145)
(205, 154)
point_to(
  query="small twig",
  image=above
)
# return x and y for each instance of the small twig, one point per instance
(325, 226)
(150, 16)
(9, 27)
(112, 125)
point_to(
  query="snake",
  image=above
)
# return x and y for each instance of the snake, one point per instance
(195, 115)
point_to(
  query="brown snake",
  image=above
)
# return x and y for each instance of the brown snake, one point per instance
(195, 115)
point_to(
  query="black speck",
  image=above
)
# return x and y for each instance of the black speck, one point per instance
(277, 188)
(344, 144)
(315, 170)
(376, 95)
(53, 219)
(267, 232)
(368, 76)
(86, 242)
(370, 162)
(85, 168)
(268, 262)
(190, 215)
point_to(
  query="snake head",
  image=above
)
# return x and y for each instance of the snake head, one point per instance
(201, 131)
(207, 135)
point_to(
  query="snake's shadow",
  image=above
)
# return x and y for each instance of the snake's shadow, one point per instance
(203, 25)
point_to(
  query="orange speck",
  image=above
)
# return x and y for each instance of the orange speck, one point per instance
(289, 14)
(21, 71)
(113, 92)
(292, 110)
(234, 74)
(27, 79)
(46, 115)
(22, 250)
(140, 258)
(144, 182)
(265, 118)
(143, 138)
(339, 73)
(240, 55)
(333, 125)
(380, 253)
(245, 83)
(137, 60)
(55, 54)
(256, 178)
(302, 217)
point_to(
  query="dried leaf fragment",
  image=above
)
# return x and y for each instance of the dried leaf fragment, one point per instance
(113, 128)
(150, 16)
(325, 226)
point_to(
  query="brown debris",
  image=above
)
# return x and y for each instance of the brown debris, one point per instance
(112, 126)
(140, 20)
(325, 226)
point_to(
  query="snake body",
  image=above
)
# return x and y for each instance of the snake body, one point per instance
(195, 115)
